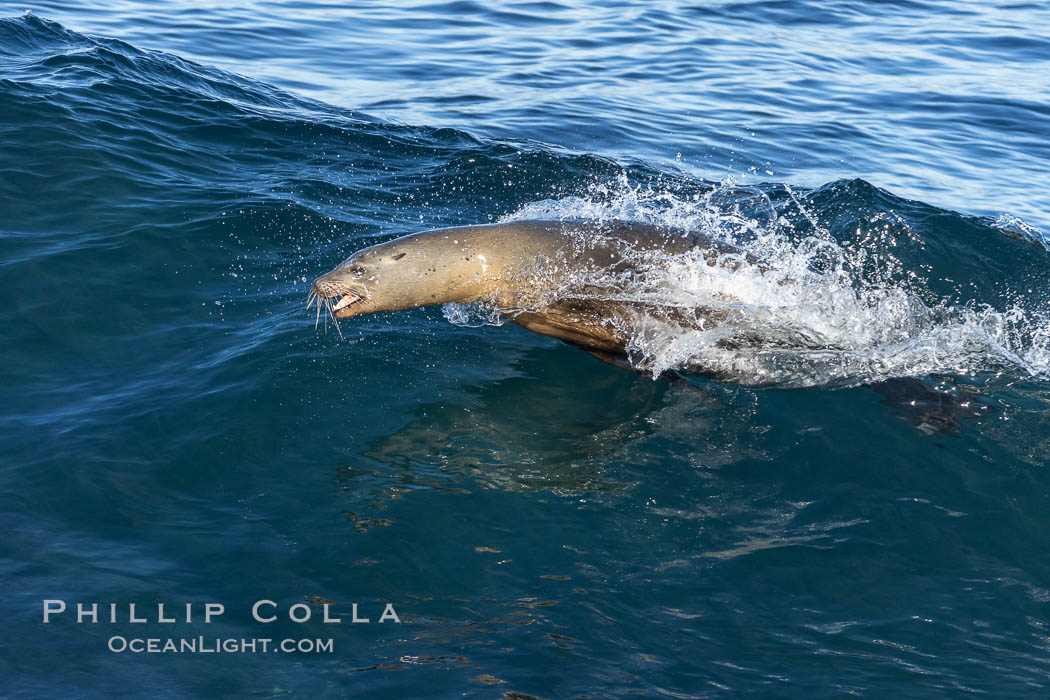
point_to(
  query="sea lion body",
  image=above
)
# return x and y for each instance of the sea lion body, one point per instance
(554, 278)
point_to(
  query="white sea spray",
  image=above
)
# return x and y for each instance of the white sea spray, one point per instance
(795, 308)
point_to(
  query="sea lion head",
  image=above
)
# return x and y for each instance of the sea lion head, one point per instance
(433, 267)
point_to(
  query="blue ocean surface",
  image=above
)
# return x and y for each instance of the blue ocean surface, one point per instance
(174, 429)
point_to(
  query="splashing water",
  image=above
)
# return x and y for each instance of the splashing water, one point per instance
(796, 308)
(1013, 225)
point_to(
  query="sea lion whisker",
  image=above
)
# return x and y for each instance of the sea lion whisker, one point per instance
(334, 319)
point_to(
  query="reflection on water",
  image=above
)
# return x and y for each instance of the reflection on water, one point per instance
(562, 426)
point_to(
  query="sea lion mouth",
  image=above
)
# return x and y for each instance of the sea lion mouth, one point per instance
(335, 302)
(341, 308)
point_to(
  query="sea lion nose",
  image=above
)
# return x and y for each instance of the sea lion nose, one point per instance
(324, 287)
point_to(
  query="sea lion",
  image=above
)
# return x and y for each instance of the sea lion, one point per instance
(563, 279)
(585, 284)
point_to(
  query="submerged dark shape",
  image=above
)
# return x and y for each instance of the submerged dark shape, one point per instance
(931, 410)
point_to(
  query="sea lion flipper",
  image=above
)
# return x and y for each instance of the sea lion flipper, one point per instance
(670, 376)
(931, 410)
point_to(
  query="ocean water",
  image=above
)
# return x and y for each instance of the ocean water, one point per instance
(175, 430)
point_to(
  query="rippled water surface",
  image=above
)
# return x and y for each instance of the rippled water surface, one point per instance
(175, 430)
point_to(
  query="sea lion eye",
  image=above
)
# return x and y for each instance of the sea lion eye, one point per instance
(399, 256)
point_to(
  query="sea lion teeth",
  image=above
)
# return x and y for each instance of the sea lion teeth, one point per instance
(345, 302)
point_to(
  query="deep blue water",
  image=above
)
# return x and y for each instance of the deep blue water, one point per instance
(175, 430)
